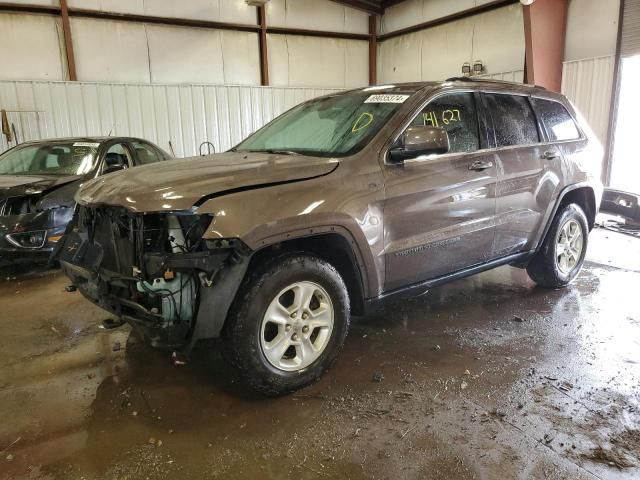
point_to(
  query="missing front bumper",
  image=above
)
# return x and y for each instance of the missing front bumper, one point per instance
(173, 299)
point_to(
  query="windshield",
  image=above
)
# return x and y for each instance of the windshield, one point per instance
(73, 158)
(333, 126)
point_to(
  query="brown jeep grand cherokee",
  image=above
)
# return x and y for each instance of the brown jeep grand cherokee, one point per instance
(339, 202)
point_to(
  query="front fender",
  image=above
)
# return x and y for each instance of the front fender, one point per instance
(268, 216)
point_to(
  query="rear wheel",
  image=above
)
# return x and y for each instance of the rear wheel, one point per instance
(288, 324)
(562, 254)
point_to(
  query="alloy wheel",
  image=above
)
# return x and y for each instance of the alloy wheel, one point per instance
(297, 326)
(569, 246)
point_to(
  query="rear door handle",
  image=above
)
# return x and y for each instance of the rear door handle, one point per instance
(550, 155)
(480, 165)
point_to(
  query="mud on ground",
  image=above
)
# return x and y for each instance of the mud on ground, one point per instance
(488, 377)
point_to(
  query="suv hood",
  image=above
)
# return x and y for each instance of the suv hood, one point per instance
(184, 183)
(19, 185)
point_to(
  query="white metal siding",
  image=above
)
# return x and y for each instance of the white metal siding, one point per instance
(515, 76)
(311, 61)
(496, 38)
(588, 83)
(30, 47)
(631, 28)
(592, 29)
(413, 12)
(233, 11)
(316, 15)
(186, 115)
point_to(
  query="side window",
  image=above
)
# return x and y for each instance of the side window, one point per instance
(117, 156)
(556, 119)
(513, 120)
(145, 153)
(456, 113)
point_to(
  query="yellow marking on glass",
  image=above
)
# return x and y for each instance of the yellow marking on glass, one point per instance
(363, 121)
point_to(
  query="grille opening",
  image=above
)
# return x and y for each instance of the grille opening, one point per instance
(19, 206)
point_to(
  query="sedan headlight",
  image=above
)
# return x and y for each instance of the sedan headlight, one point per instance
(33, 239)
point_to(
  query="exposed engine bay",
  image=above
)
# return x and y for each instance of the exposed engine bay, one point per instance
(154, 271)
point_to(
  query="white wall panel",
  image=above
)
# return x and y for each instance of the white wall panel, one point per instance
(234, 11)
(316, 15)
(592, 29)
(318, 62)
(241, 58)
(495, 37)
(110, 51)
(55, 3)
(192, 55)
(588, 84)
(30, 47)
(186, 115)
(414, 12)
(514, 76)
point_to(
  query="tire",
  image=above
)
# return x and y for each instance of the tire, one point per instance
(548, 268)
(253, 342)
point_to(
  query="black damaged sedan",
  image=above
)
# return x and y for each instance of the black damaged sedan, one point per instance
(38, 181)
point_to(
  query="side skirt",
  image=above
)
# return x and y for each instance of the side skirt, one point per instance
(420, 288)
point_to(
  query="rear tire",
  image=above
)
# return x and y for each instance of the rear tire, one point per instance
(562, 253)
(287, 324)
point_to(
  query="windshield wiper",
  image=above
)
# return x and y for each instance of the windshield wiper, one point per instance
(274, 151)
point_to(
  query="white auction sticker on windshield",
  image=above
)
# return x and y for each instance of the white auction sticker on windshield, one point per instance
(386, 98)
(86, 144)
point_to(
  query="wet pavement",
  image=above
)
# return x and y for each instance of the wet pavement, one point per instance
(485, 378)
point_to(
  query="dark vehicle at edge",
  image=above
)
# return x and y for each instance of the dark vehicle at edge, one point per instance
(38, 181)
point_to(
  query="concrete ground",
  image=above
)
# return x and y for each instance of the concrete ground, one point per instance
(485, 378)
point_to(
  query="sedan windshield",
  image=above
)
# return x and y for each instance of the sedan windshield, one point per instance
(73, 158)
(339, 125)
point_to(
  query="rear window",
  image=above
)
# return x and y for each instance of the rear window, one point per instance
(557, 121)
(513, 120)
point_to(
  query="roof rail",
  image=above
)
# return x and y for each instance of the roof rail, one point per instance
(489, 80)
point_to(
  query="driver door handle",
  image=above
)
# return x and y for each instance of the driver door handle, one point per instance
(550, 155)
(479, 165)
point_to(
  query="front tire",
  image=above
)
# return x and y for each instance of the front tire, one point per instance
(288, 324)
(563, 251)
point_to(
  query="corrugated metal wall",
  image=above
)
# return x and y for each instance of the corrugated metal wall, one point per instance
(32, 46)
(186, 115)
(588, 83)
(515, 76)
(496, 38)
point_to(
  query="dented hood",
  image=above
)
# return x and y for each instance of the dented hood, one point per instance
(184, 183)
(18, 185)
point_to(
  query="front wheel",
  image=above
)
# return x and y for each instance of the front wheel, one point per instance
(287, 324)
(562, 254)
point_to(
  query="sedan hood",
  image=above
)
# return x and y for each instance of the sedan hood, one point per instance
(184, 183)
(19, 185)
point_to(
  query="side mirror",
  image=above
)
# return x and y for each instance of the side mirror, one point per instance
(417, 141)
(114, 168)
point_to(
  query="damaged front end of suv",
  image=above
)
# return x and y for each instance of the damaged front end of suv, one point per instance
(154, 271)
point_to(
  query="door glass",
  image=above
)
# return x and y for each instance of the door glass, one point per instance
(513, 120)
(456, 113)
(556, 119)
(117, 156)
(146, 153)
